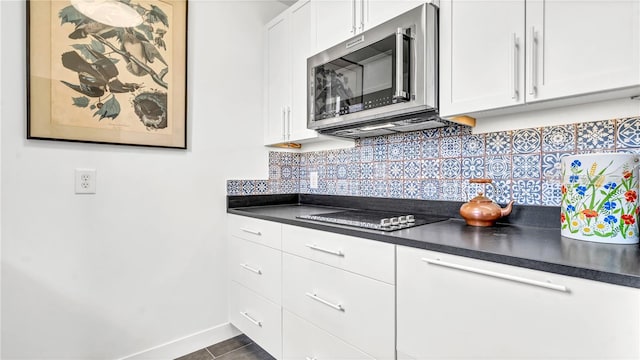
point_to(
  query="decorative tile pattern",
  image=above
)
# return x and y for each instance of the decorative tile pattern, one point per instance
(366, 171)
(411, 169)
(469, 190)
(558, 138)
(526, 141)
(628, 133)
(366, 153)
(450, 146)
(395, 151)
(430, 133)
(366, 188)
(431, 168)
(527, 192)
(595, 135)
(380, 189)
(451, 190)
(380, 152)
(233, 187)
(450, 168)
(395, 170)
(262, 187)
(498, 143)
(526, 166)
(551, 193)
(430, 190)
(472, 168)
(379, 170)
(551, 165)
(431, 148)
(450, 131)
(498, 167)
(499, 191)
(247, 187)
(412, 189)
(473, 145)
(412, 150)
(396, 188)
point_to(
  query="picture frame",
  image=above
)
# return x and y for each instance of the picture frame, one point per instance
(108, 71)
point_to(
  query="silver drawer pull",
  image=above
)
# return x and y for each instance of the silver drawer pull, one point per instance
(257, 271)
(334, 252)
(254, 232)
(310, 358)
(497, 275)
(319, 299)
(248, 317)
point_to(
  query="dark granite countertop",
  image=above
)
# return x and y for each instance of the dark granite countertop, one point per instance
(526, 242)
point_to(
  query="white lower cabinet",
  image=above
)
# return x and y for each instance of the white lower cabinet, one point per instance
(452, 307)
(302, 340)
(354, 308)
(257, 317)
(257, 267)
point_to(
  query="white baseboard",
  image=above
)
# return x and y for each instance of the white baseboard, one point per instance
(185, 345)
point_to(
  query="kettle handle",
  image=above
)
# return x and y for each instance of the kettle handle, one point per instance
(480, 181)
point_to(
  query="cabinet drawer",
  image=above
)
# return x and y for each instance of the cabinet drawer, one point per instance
(357, 309)
(367, 257)
(263, 232)
(257, 267)
(303, 340)
(257, 317)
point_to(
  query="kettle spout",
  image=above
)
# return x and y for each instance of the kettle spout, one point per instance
(507, 209)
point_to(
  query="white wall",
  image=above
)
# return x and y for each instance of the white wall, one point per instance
(142, 262)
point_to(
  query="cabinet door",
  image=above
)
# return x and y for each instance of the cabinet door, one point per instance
(481, 55)
(302, 38)
(375, 12)
(277, 79)
(579, 47)
(336, 21)
(451, 307)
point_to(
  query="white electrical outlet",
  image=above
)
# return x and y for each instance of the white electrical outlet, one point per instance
(85, 181)
(313, 180)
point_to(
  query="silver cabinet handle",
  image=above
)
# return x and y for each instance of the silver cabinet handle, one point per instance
(362, 15)
(248, 317)
(496, 275)
(321, 300)
(533, 64)
(284, 122)
(515, 43)
(318, 248)
(353, 16)
(254, 270)
(254, 232)
(310, 358)
(288, 123)
(400, 93)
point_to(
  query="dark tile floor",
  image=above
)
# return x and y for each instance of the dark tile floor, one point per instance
(236, 348)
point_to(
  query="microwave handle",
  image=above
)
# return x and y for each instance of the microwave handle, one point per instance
(400, 94)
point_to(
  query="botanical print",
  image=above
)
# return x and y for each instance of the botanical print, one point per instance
(111, 76)
(600, 199)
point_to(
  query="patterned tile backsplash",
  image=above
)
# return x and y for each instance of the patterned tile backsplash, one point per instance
(436, 164)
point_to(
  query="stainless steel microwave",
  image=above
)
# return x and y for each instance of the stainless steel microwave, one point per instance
(381, 81)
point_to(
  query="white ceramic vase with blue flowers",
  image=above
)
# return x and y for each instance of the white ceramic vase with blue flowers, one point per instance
(600, 197)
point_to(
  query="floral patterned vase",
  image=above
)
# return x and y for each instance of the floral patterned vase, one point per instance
(600, 197)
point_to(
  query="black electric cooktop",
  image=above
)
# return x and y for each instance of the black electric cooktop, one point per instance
(377, 220)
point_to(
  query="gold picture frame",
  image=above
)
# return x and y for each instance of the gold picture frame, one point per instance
(108, 71)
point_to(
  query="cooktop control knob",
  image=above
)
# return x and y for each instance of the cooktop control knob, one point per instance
(410, 219)
(385, 222)
(402, 220)
(395, 221)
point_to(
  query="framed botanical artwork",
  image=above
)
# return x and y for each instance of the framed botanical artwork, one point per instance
(107, 71)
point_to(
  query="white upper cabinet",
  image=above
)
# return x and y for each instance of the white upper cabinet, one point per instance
(289, 41)
(498, 54)
(337, 20)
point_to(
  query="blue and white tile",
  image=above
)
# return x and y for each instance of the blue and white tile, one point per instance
(473, 145)
(331, 156)
(412, 169)
(380, 152)
(499, 191)
(286, 172)
(596, 135)
(526, 141)
(451, 190)
(322, 186)
(342, 171)
(450, 146)
(366, 153)
(262, 187)
(395, 151)
(411, 189)
(365, 141)
(430, 133)
(344, 155)
(551, 193)
(290, 186)
(304, 187)
(395, 170)
(452, 130)
(450, 168)
(430, 189)
(498, 167)
(304, 159)
(332, 186)
(355, 154)
(465, 130)
(353, 171)
(274, 187)
(366, 188)
(472, 168)
(354, 188)
(396, 189)
(295, 172)
(322, 171)
(274, 158)
(380, 189)
(296, 158)
(274, 172)
(313, 158)
(558, 138)
(366, 171)
(412, 136)
(527, 192)
(286, 158)
(395, 138)
(431, 148)
(303, 172)
(342, 187)
(431, 169)
(628, 133)
(526, 166)
(412, 150)
(551, 165)
(469, 190)
(332, 172)
(379, 170)
(380, 140)
(234, 187)
(498, 143)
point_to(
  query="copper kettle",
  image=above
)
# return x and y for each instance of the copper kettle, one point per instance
(482, 211)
